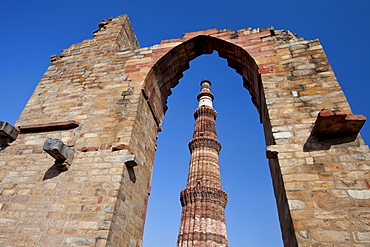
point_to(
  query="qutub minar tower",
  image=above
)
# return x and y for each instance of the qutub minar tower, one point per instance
(203, 200)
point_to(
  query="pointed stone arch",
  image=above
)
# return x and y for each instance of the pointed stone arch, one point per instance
(169, 68)
(290, 81)
(167, 71)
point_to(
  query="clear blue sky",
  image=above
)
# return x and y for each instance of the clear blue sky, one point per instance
(32, 31)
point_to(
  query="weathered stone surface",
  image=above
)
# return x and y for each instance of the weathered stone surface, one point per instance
(58, 150)
(7, 133)
(359, 194)
(331, 123)
(117, 92)
(331, 236)
(362, 236)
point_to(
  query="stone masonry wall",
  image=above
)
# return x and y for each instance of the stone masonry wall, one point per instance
(117, 93)
(41, 206)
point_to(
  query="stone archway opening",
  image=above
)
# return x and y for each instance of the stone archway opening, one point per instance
(244, 166)
(167, 71)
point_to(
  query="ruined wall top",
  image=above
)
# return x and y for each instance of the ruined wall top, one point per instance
(126, 35)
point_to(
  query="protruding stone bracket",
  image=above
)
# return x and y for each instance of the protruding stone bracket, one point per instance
(48, 127)
(8, 134)
(130, 161)
(331, 124)
(62, 154)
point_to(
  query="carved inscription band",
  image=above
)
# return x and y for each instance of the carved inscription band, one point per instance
(203, 194)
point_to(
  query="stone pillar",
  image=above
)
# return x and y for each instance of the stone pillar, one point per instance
(203, 200)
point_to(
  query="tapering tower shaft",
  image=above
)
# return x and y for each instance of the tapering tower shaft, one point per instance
(203, 200)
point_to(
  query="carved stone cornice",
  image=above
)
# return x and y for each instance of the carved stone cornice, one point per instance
(203, 194)
(205, 111)
(205, 94)
(201, 142)
(203, 237)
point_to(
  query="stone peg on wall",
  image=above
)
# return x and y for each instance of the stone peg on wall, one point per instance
(62, 154)
(7, 134)
(130, 160)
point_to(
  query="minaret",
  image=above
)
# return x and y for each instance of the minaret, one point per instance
(203, 200)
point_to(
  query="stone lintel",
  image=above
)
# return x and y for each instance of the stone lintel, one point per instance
(337, 123)
(49, 126)
(62, 154)
(8, 133)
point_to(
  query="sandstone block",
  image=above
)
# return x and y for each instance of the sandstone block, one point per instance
(362, 236)
(7, 133)
(331, 214)
(59, 151)
(311, 224)
(302, 214)
(331, 235)
(78, 241)
(300, 177)
(359, 194)
(336, 203)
